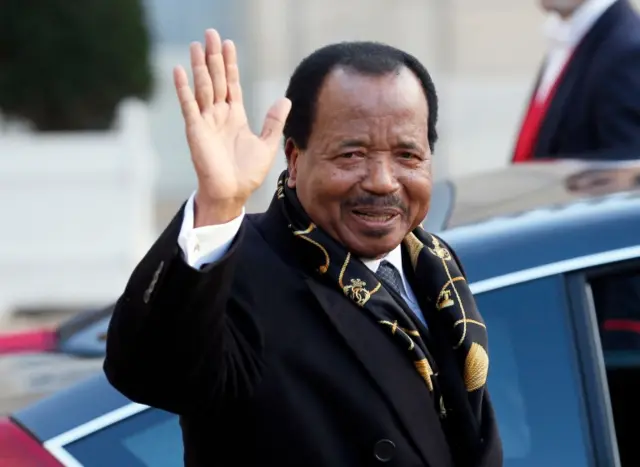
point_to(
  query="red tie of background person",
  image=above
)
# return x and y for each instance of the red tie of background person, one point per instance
(532, 122)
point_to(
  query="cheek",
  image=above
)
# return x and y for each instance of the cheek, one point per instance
(418, 188)
(333, 184)
(319, 193)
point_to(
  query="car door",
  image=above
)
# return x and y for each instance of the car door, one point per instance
(535, 377)
(606, 303)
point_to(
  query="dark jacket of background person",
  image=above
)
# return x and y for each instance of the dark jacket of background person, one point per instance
(593, 111)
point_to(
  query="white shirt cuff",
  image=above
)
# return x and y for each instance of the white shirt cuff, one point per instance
(206, 244)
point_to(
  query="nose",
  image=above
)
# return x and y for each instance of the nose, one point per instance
(380, 178)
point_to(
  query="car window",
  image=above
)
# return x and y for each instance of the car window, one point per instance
(533, 377)
(151, 438)
(615, 295)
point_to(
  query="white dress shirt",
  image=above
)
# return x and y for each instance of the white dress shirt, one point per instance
(208, 244)
(564, 35)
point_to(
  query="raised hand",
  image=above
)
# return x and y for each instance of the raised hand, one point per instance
(230, 161)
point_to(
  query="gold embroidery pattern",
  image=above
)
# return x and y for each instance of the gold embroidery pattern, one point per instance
(394, 327)
(357, 288)
(444, 300)
(477, 360)
(445, 295)
(469, 321)
(303, 235)
(476, 368)
(439, 251)
(445, 256)
(414, 247)
(280, 188)
(425, 370)
(422, 364)
(357, 291)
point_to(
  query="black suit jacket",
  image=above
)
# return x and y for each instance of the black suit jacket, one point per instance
(595, 112)
(267, 366)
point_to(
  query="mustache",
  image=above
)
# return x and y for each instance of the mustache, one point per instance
(373, 201)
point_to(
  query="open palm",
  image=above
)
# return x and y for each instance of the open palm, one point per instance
(230, 161)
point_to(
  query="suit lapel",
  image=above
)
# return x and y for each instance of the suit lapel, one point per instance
(575, 69)
(391, 371)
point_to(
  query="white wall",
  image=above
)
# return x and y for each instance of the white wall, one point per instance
(77, 212)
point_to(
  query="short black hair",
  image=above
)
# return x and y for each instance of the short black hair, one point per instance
(368, 58)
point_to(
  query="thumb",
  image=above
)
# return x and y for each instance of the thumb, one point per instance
(274, 122)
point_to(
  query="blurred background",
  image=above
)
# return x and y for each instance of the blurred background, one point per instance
(93, 160)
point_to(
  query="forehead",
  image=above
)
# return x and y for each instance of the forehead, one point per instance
(349, 101)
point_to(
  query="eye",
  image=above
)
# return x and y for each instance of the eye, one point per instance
(351, 155)
(407, 155)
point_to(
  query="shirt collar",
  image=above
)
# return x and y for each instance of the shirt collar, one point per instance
(569, 32)
(394, 257)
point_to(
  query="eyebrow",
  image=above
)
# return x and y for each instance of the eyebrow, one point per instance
(409, 145)
(350, 143)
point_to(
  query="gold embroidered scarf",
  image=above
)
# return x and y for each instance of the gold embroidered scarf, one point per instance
(457, 338)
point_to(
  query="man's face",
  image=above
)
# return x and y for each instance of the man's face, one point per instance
(365, 176)
(562, 7)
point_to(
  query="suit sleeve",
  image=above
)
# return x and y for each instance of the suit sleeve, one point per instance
(177, 339)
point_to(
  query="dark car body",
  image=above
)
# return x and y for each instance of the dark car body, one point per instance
(531, 239)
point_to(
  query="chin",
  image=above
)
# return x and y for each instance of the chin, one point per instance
(370, 239)
(371, 247)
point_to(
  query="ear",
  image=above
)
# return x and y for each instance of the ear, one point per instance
(292, 152)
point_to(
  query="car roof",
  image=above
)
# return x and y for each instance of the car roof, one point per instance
(518, 189)
(531, 215)
(70, 408)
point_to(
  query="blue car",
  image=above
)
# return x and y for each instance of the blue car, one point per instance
(552, 253)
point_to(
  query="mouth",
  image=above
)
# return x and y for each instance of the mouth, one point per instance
(380, 216)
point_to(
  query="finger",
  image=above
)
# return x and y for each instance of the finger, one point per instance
(188, 104)
(234, 90)
(201, 78)
(215, 64)
(274, 122)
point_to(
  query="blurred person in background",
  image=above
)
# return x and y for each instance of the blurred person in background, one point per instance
(586, 102)
(330, 330)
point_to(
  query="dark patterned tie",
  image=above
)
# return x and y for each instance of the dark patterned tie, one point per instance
(390, 276)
